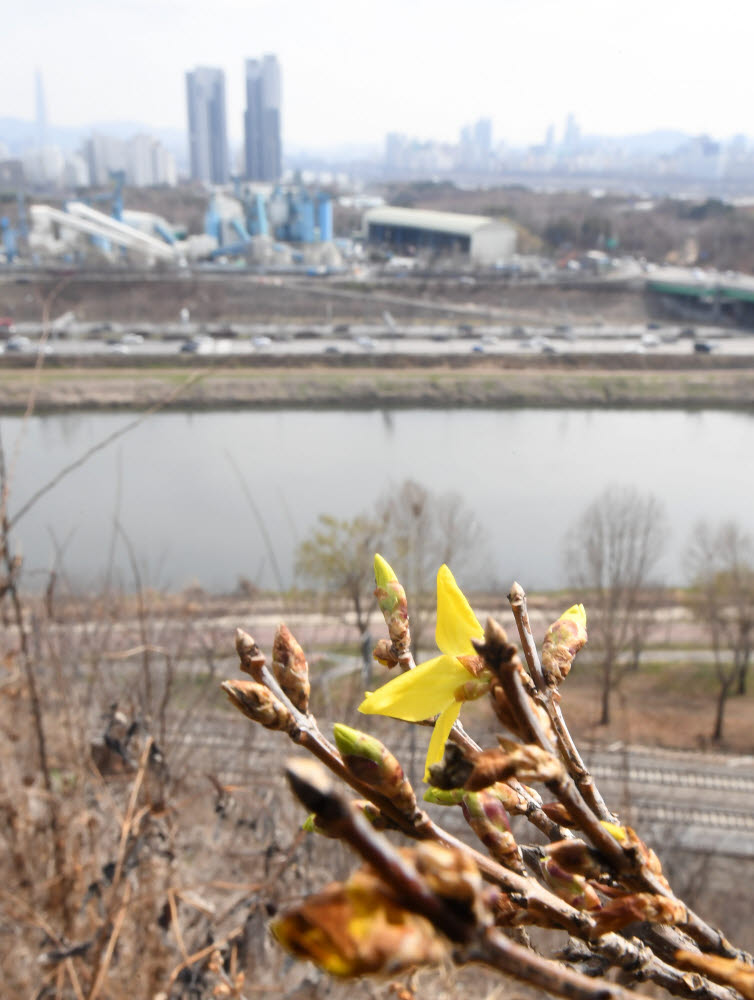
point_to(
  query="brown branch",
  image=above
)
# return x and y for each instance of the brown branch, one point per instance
(478, 942)
(568, 750)
(637, 959)
(498, 952)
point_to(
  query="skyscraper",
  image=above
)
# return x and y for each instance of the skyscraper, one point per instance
(41, 109)
(208, 135)
(263, 149)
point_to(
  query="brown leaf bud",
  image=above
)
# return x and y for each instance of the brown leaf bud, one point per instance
(251, 656)
(509, 716)
(576, 857)
(452, 771)
(639, 906)
(258, 703)
(384, 653)
(290, 667)
(527, 762)
(452, 874)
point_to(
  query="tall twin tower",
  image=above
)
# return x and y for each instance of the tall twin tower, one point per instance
(208, 134)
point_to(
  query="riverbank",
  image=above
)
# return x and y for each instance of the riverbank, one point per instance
(359, 384)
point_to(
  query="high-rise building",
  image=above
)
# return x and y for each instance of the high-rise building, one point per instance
(263, 154)
(41, 109)
(208, 134)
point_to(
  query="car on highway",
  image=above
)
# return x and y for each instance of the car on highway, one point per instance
(197, 345)
(19, 344)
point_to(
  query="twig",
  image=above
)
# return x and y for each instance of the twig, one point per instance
(499, 952)
(569, 752)
(108, 955)
(478, 943)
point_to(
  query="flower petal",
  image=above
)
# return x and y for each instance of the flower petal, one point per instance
(419, 693)
(576, 613)
(456, 622)
(440, 735)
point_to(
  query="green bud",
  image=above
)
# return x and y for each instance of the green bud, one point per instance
(391, 598)
(371, 762)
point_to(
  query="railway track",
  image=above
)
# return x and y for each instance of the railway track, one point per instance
(698, 802)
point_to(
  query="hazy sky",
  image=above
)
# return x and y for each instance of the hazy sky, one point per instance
(354, 70)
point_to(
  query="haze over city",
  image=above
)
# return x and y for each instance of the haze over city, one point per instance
(354, 73)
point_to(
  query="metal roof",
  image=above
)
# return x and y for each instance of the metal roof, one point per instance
(420, 218)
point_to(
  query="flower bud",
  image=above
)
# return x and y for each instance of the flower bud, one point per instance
(258, 703)
(487, 817)
(371, 762)
(290, 668)
(527, 762)
(356, 929)
(563, 639)
(391, 598)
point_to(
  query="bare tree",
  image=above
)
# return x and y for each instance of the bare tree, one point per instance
(338, 555)
(415, 529)
(421, 531)
(720, 563)
(611, 553)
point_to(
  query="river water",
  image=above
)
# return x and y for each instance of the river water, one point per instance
(208, 498)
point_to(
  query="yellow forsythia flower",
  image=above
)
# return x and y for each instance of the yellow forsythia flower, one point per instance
(432, 687)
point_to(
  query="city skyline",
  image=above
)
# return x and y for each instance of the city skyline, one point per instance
(411, 68)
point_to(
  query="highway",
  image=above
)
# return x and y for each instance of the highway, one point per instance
(281, 340)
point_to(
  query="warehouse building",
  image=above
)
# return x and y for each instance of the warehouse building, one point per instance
(484, 240)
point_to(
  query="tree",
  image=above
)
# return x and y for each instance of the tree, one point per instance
(338, 555)
(415, 529)
(720, 563)
(611, 553)
(421, 531)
